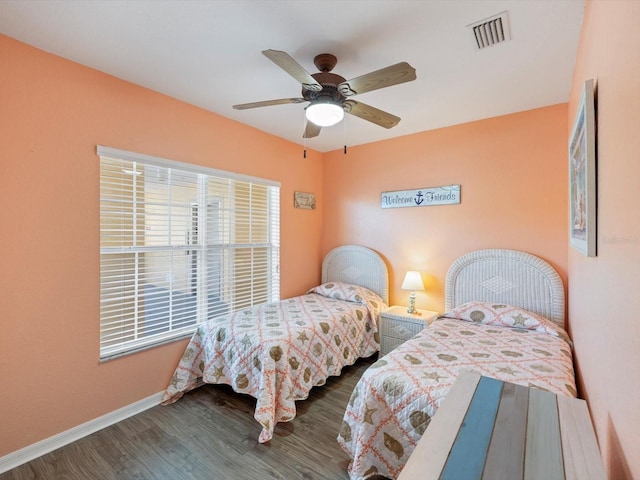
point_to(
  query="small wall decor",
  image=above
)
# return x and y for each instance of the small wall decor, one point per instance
(423, 197)
(582, 175)
(304, 200)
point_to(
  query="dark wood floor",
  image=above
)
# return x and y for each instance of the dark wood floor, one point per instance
(210, 434)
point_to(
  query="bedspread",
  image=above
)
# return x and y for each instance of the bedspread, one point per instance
(278, 351)
(392, 404)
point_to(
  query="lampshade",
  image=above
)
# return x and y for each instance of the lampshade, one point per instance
(324, 114)
(412, 281)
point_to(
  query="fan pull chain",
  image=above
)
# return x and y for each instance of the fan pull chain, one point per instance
(344, 134)
(304, 135)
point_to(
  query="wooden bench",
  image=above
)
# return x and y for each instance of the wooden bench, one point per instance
(489, 429)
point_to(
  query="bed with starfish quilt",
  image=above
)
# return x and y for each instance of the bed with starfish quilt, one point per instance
(394, 400)
(276, 352)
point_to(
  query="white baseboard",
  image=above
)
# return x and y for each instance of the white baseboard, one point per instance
(26, 454)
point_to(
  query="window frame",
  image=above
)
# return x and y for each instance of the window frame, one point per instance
(272, 246)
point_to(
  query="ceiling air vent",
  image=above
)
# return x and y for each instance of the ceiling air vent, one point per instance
(491, 31)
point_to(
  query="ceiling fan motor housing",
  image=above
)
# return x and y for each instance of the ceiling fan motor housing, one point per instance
(329, 92)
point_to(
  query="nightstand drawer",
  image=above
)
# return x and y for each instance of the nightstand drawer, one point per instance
(389, 343)
(397, 325)
(401, 329)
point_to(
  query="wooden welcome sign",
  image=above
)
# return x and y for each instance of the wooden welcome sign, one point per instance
(422, 197)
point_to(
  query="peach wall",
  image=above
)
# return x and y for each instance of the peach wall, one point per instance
(513, 176)
(604, 290)
(53, 113)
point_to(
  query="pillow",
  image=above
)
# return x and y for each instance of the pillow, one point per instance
(348, 293)
(501, 315)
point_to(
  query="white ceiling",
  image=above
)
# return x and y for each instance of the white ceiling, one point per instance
(208, 53)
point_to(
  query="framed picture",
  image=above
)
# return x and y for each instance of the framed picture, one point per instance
(582, 176)
(304, 200)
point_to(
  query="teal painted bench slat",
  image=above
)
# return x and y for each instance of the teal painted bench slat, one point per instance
(469, 451)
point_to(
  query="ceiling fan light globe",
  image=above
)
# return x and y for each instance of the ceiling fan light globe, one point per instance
(324, 114)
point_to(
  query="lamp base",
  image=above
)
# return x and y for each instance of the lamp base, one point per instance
(412, 304)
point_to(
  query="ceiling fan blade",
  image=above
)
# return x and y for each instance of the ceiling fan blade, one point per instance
(268, 103)
(293, 68)
(399, 73)
(371, 114)
(311, 130)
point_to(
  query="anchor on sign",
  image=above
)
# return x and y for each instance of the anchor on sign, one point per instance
(419, 198)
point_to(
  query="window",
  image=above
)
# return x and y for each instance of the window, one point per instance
(180, 244)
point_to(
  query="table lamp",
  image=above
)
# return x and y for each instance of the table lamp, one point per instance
(412, 281)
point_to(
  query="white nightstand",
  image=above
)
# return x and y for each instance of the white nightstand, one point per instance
(397, 326)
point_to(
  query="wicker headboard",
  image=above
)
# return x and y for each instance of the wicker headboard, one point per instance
(506, 276)
(359, 266)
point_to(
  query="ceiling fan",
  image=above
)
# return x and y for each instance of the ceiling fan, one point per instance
(327, 92)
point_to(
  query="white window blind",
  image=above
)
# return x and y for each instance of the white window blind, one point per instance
(180, 244)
